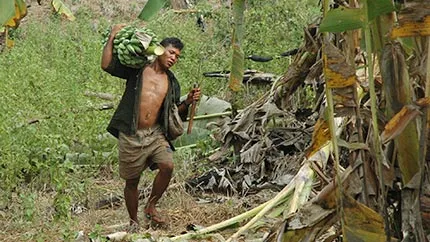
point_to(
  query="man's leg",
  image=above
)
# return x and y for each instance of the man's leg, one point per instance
(131, 195)
(160, 184)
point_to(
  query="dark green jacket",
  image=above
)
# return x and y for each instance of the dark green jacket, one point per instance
(125, 118)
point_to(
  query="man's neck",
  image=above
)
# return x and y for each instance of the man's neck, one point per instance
(159, 69)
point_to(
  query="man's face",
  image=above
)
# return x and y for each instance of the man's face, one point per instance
(170, 56)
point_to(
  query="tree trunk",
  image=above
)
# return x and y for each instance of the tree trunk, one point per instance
(179, 4)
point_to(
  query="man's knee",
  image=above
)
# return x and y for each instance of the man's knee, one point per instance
(166, 167)
(132, 183)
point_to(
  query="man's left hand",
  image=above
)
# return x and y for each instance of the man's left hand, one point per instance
(193, 95)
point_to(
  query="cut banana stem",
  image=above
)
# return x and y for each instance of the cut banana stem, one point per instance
(155, 50)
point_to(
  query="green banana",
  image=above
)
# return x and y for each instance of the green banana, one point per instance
(137, 49)
(135, 41)
(121, 46)
(128, 48)
(131, 49)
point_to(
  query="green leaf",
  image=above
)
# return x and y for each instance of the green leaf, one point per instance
(237, 62)
(342, 19)
(377, 8)
(151, 8)
(7, 10)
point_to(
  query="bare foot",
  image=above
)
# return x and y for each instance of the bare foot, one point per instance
(155, 219)
(133, 227)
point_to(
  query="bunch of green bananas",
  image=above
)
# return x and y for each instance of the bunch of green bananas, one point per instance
(127, 45)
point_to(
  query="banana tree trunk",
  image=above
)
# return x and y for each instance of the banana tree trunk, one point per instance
(398, 90)
(179, 4)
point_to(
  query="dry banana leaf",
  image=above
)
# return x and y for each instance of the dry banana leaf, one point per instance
(320, 137)
(399, 122)
(399, 92)
(337, 72)
(414, 20)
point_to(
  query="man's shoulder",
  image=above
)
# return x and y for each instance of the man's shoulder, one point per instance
(171, 75)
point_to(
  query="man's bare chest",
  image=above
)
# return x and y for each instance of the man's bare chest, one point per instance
(155, 85)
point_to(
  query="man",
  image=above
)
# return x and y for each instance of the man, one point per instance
(140, 122)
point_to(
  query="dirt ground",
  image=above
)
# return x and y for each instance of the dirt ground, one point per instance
(181, 208)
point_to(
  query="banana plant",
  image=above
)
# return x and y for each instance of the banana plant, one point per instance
(237, 58)
(398, 89)
(237, 61)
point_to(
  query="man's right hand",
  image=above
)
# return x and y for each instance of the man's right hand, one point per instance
(116, 28)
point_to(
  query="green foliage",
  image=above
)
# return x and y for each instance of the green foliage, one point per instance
(28, 205)
(96, 234)
(43, 79)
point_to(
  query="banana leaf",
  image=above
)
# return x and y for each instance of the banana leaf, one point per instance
(7, 11)
(151, 9)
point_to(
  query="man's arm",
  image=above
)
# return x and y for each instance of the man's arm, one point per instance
(109, 62)
(107, 54)
(193, 95)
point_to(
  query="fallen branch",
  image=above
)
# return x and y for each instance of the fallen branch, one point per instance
(104, 96)
(305, 172)
(181, 11)
(221, 225)
(302, 177)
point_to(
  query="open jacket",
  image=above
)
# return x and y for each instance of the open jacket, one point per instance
(125, 118)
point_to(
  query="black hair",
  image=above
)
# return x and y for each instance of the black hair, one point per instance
(175, 42)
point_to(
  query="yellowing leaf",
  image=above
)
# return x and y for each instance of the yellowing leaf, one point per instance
(362, 223)
(337, 72)
(60, 8)
(320, 137)
(414, 22)
(398, 123)
(20, 12)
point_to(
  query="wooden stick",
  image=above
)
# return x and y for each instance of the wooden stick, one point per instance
(193, 112)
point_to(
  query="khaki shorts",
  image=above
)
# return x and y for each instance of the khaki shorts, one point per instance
(147, 148)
